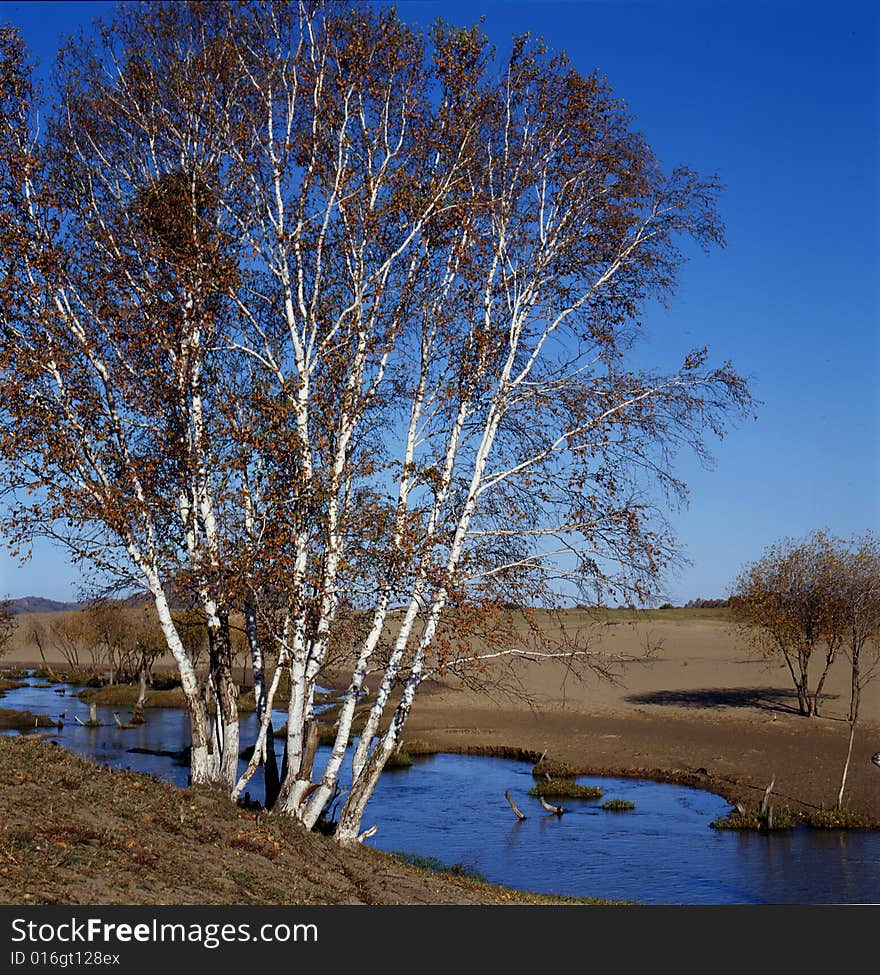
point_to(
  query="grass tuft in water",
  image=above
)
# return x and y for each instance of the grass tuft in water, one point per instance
(618, 805)
(399, 759)
(565, 788)
(755, 820)
(23, 720)
(836, 819)
(785, 818)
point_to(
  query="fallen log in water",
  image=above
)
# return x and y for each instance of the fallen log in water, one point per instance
(181, 757)
(519, 814)
(556, 810)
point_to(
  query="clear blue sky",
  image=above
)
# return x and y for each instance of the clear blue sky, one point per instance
(782, 100)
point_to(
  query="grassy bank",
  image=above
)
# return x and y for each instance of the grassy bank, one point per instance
(11, 720)
(77, 833)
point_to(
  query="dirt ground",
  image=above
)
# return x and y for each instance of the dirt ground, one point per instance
(703, 710)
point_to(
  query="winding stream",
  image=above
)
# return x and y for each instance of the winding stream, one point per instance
(452, 807)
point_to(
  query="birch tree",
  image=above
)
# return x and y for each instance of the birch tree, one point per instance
(327, 320)
(523, 442)
(114, 263)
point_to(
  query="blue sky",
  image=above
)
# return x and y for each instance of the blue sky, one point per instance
(782, 100)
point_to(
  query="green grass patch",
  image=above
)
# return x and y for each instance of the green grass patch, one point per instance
(435, 865)
(80, 678)
(13, 673)
(836, 819)
(756, 821)
(326, 734)
(785, 818)
(565, 788)
(399, 759)
(419, 749)
(618, 805)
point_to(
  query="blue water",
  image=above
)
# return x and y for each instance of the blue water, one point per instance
(452, 807)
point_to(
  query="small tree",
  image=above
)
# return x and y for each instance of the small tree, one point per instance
(7, 626)
(785, 605)
(857, 623)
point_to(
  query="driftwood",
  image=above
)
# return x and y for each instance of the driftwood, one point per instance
(181, 757)
(93, 721)
(141, 702)
(367, 833)
(766, 799)
(556, 810)
(123, 726)
(517, 811)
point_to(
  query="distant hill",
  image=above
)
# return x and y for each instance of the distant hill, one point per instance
(37, 604)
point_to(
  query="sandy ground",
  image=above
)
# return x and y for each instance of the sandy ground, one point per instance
(702, 709)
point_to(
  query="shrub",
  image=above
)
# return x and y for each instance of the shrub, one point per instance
(754, 819)
(556, 770)
(565, 788)
(837, 819)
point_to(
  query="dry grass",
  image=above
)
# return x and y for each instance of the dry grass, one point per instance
(72, 832)
(23, 720)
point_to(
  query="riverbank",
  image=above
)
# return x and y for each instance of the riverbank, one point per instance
(732, 756)
(698, 710)
(72, 832)
(701, 711)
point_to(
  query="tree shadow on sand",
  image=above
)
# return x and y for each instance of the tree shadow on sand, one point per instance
(765, 698)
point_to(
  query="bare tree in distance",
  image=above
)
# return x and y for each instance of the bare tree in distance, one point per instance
(857, 621)
(785, 604)
(330, 324)
(7, 626)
